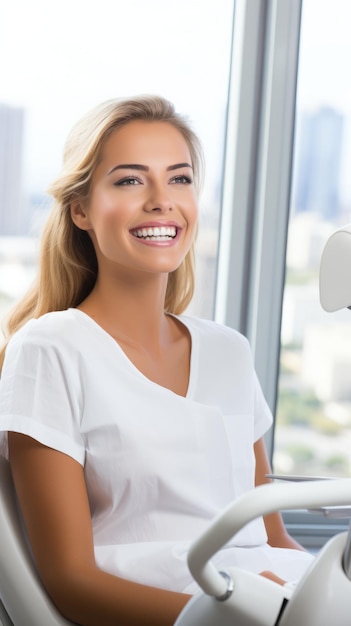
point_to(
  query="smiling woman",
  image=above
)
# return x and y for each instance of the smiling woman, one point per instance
(129, 425)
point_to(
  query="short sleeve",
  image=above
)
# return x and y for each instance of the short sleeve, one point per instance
(262, 412)
(40, 392)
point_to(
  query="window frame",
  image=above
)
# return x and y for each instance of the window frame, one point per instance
(258, 165)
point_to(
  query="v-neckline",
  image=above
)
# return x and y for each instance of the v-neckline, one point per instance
(193, 351)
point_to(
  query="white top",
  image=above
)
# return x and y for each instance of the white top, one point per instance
(158, 466)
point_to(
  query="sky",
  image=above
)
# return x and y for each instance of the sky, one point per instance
(325, 51)
(63, 57)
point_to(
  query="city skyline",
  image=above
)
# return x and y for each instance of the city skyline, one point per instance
(320, 141)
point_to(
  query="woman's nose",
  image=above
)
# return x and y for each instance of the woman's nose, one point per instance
(158, 200)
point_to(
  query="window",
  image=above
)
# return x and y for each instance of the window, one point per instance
(63, 58)
(312, 434)
(260, 157)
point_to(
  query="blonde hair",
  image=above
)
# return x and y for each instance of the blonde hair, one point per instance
(67, 259)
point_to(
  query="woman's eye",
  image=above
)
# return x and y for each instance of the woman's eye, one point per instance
(129, 180)
(182, 179)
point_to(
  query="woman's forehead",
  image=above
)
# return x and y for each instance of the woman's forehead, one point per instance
(147, 140)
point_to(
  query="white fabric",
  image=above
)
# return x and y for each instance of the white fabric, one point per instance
(158, 466)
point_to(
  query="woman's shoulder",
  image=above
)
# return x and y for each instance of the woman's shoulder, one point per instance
(214, 331)
(217, 342)
(48, 328)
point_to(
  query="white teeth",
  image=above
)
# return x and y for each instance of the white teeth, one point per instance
(157, 233)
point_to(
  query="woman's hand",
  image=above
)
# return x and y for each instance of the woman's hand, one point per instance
(277, 534)
(271, 576)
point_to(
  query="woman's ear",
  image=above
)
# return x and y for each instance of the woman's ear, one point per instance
(79, 214)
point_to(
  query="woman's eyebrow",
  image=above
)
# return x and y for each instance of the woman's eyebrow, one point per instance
(177, 166)
(145, 168)
(129, 166)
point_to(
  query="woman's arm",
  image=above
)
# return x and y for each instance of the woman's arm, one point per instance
(276, 531)
(53, 498)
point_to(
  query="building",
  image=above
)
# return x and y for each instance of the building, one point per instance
(318, 157)
(326, 366)
(13, 207)
(308, 234)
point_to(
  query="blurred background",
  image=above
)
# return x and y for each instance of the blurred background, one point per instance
(59, 59)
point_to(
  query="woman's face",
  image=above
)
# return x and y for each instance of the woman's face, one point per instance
(142, 209)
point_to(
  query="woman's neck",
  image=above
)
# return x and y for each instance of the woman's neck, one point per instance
(130, 312)
(157, 344)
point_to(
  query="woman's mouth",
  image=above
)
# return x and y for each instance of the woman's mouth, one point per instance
(156, 233)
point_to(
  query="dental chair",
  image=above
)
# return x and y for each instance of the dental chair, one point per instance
(323, 596)
(23, 600)
(233, 597)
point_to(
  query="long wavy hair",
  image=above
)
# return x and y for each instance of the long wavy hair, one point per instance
(67, 260)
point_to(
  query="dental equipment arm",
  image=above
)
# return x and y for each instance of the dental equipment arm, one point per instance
(237, 597)
(261, 501)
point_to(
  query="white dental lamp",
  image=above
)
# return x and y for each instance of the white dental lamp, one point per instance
(235, 597)
(335, 271)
